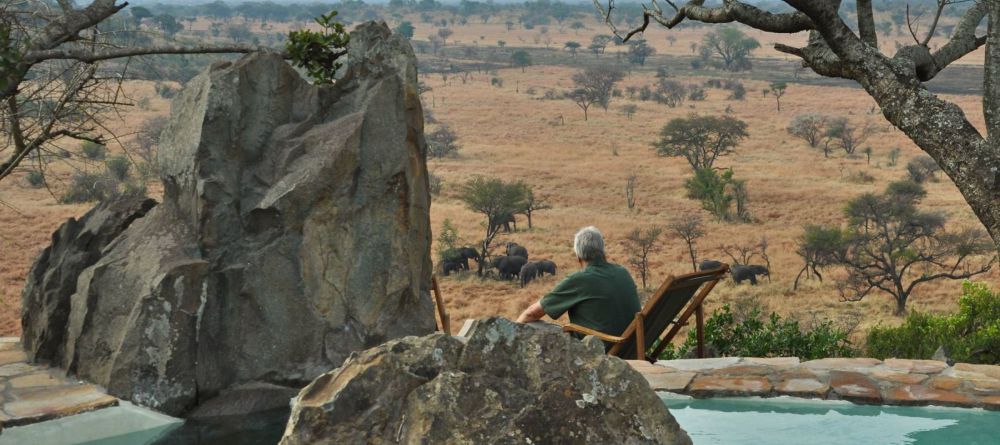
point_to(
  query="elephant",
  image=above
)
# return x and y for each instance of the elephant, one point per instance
(468, 253)
(449, 266)
(504, 220)
(528, 272)
(515, 249)
(546, 266)
(742, 273)
(509, 266)
(709, 265)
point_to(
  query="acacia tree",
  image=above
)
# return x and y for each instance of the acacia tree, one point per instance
(809, 127)
(893, 247)
(896, 82)
(533, 203)
(53, 85)
(778, 88)
(732, 46)
(820, 247)
(689, 228)
(701, 139)
(640, 244)
(496, 200)
(846, 136)
(598, 82)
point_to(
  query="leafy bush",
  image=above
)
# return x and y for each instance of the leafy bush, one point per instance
(971, 336)
(442, 142)
(86, 187)
(753, 335)
(318, 52)
(118, 167)
(922, 168)
(93, 151)
(35, 179)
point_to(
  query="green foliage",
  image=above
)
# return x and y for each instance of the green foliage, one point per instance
(638, 51)
(701, 139)
(971, 336)
(405, 29)
(86, 187)
(719, 193)
(447, 240)
(317, 52)
(521, 59)
(732, 45)
(35, 179)
(93, 151)
(753, 335)
(118, 167)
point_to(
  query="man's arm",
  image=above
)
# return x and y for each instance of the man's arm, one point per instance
(532, 313)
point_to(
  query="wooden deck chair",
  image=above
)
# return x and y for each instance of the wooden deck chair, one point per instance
(670, 306)
(443, 321)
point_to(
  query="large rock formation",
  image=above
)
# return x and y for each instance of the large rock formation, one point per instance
(507, 384)
(294, 229)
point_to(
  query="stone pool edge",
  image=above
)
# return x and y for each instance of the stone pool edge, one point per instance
(868, 381)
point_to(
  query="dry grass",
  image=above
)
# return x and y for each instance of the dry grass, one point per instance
(507, 133)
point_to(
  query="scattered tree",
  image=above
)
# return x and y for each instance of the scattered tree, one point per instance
(894, 157)
(810, 127)
(820, 247)
(496, 200)
(521, 59)
(444, 33)
(922, 169)
(846, 136)
(670, 92)
(533, 203)
(892, 246)
(630, 182)
(778, 89)
(598, 82)
(638, 51)
(701, 139)
(718, 193)
(732, 46)
(599, 43)
(689, 228)
(442, 143)
(572, 47)
(405, 29)
(640, 244)
(896, 81)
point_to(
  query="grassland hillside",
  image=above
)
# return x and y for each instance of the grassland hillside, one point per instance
(508, 129)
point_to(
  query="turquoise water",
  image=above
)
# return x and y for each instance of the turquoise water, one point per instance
(784, 421)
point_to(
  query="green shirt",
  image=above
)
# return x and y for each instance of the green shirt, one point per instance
(602, 296)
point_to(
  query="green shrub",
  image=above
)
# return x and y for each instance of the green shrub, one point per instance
(435, 184)
(118, 167)
(35, 179)
(317, 52)
(754, 335)
(86, 187)
(971, 336)
(93, 151)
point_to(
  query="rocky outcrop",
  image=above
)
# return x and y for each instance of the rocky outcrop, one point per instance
(506, 384)
(76, 245)
(294, 229)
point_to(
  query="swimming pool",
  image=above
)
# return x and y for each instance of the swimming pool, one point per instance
(781, 421)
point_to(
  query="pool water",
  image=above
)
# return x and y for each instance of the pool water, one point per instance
(790, 421)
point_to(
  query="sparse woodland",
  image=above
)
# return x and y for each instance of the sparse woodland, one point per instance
(685, 142)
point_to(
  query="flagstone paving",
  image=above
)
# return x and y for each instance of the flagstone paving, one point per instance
(31, 393)
(859, 380)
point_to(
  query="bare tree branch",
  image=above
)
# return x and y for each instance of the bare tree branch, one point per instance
(88, 55)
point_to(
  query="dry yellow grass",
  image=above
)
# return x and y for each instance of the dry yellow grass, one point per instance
(507, 133)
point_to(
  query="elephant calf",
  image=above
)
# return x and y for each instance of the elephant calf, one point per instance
(528, 272)
(546, 266)
(742, 273)
(509, 266)
(448, 266)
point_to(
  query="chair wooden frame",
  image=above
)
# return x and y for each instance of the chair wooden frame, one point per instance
(705, 280)
(444, 322)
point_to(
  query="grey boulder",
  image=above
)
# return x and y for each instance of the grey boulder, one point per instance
(506, 384)
(294, 229)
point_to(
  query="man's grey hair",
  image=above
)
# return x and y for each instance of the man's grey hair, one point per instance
(588, 244)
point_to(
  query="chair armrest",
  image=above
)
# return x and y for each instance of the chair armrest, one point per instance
(570, 327)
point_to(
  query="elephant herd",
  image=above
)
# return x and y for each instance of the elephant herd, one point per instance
(740, 272)
(514, 264)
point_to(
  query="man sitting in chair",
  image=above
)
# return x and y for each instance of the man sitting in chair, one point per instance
(602, 296)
